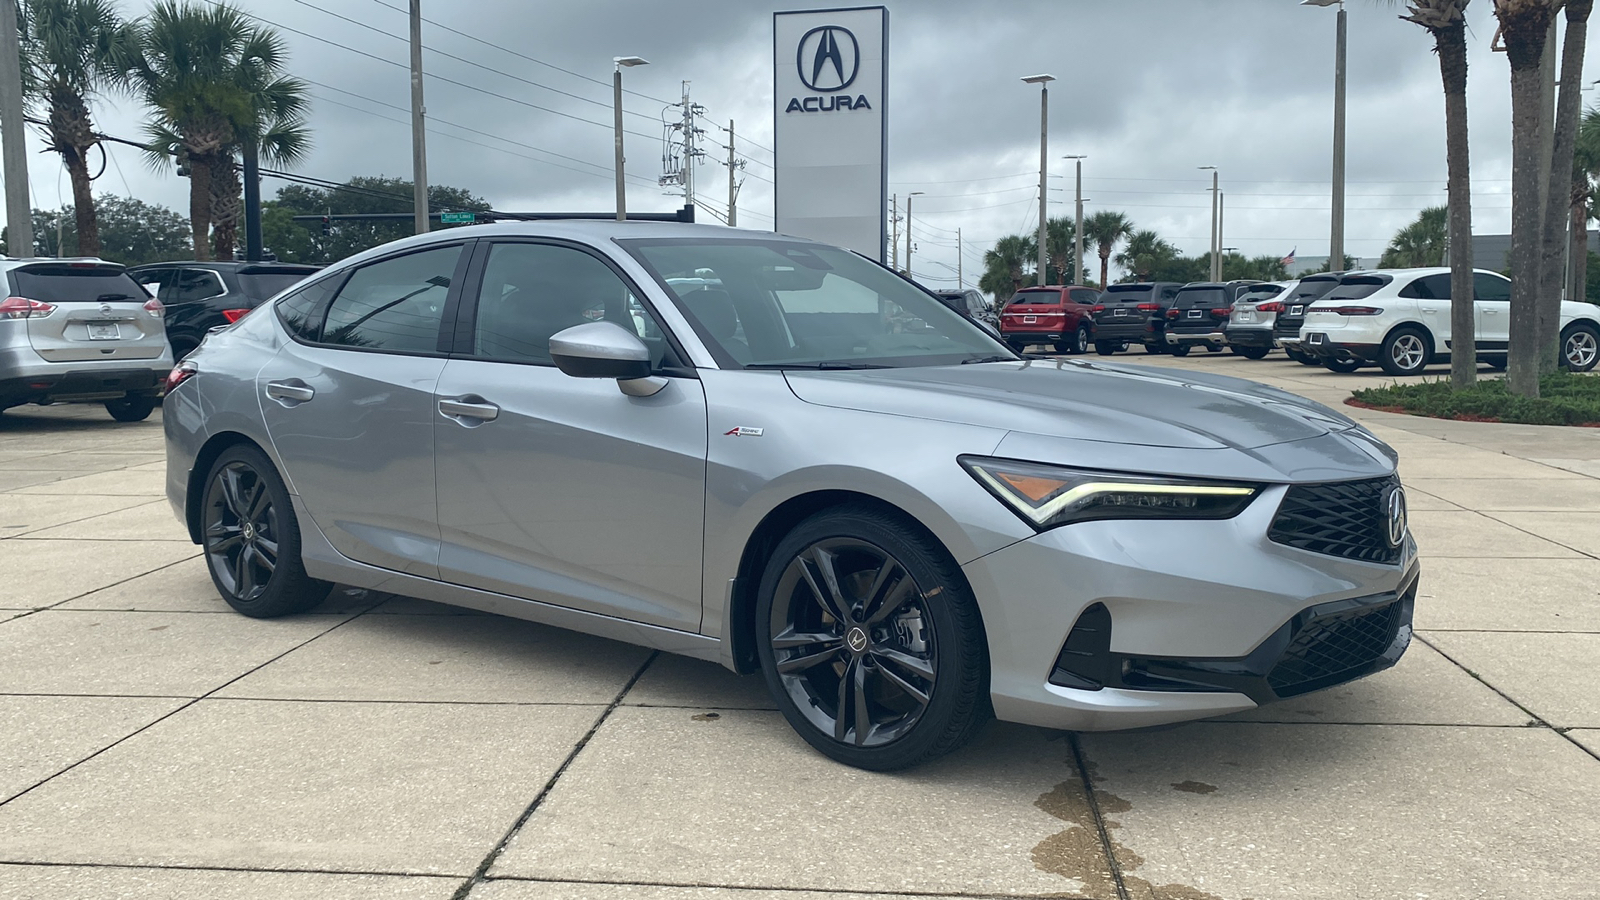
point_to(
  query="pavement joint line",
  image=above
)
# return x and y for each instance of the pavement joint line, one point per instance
(40, 609)
(1487, 515)
(1512, 630)
(1099, 817)
(787, 889)
(179, 867)
(9, 537)
(482, 871)
(1540, 720)
(151, 724)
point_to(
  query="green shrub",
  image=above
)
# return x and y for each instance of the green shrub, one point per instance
(1564, 399)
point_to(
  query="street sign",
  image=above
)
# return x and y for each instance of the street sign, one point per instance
(458, 218)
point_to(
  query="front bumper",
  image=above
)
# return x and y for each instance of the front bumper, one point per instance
(1187, 601)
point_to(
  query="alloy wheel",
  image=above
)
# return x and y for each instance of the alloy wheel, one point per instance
(1082, 344)
(241, 531)
(1408, 352)
(1581, 350)
(853, 641)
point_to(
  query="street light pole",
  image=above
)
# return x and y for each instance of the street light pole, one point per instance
(1336, 228)
(1216, 212)
(19, 215)
(1044, 159)
(908, 229)
(616, 108)
(419, 130)
(1077, 227)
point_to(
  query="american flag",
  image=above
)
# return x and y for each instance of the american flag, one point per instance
(1288, 260)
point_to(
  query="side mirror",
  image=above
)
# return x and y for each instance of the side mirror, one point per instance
(605, 350)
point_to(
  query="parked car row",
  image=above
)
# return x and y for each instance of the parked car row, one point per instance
(85, 330)
(1397, 319)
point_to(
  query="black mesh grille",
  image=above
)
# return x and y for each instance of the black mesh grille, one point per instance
(1332, 649)
(1347, 518)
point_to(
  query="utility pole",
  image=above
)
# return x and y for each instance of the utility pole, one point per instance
(733, 187)
(1043, 81)
(1222, 209)
(894, 232)
(1215, 194)
(252, 200)
(692, 154)
(908, 230)
(1077, 228)
(961, 282)
(1336, 234)
(19, 215)
(419, 139)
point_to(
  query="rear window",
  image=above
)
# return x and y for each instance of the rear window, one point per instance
(1201, 298)
(77, 284)
(1036, 297)
(1260, 294)
(1357, 288)
(1313, 289)
(1128, 293)
(262, 285)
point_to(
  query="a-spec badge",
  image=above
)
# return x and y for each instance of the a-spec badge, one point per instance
(742, 431)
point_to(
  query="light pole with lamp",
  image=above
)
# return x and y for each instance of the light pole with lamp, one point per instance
(1044, 166)
(1077, 227)
(1215, 239)
(1336, 230)
(908, 229)
(616, 103)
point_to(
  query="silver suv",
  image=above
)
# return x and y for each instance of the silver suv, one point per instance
(80, 331)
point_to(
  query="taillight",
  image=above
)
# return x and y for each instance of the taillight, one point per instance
(1149, 307)
(180, 373)
(1174, 313)
(1271, 306)
(234, 315)
(23, 308)
(1349, 310)
(155, 307)
(1098, 308)
(1222, 312)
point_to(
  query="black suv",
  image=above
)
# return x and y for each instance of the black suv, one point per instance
(973, 305)
(199, 296)
(1199, 312)
(1133, 314)
(1286, 331)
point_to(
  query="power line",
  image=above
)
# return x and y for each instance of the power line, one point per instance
(970, 180)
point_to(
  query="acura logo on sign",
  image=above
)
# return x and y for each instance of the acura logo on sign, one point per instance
(828, 58)
(1397, 516)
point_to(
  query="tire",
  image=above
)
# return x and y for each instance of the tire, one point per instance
(1213, 348)
(132, 408)
(1105, 348)
(879, 687)
(1406, 351)
(1179, 350)
(1497, 363)
(1155, 349)
(1079, 344)
(248, 530)
(181, 348)
(1253, 352)
(1343, 366)
(1580, 346)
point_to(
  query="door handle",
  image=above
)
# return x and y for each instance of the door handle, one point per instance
(470, 406)
(291, 392)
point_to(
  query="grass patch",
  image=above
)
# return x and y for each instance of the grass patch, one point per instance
(1564, 399)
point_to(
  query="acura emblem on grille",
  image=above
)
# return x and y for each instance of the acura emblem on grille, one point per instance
(1397, 516)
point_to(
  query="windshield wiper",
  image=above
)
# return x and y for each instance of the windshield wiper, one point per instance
(987, 359)
(827, 366)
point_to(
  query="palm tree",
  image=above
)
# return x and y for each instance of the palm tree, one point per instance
(213, 81)
(1446, 20)
(1557, 203)
(1524, 25)
(1005, 264)
(1143, 253)
(72, 50)
(1422, 243)
(1106, 228)
(1060, 241)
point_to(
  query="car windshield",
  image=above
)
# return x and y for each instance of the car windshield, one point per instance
(787, 304)
(262, 285)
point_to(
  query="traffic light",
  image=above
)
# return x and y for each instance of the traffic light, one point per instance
(327, 226)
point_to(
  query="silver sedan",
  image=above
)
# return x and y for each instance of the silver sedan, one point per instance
(777, 455)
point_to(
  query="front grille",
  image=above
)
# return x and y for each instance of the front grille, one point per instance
(1334, 648)
(1348, 519)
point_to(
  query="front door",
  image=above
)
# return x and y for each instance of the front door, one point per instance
(350, 409)
(562, 489)
(1492, 299)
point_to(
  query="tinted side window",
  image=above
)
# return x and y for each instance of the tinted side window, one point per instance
(1490, 287)
(532, 291)
(396, 304)
(301, 312)
(196, 284)
(1085, 296)
(154, 280)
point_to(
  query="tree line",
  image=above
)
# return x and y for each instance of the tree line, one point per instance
(1112, 237)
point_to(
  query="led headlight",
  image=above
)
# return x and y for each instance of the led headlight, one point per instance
(1047, 496)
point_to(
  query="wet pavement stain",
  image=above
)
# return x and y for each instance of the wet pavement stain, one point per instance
(706, 717)
(1077, 853)
(1194, 787)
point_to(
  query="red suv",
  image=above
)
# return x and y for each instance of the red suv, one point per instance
(1053, 314)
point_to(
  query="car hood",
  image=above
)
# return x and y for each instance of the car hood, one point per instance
(1083, 401)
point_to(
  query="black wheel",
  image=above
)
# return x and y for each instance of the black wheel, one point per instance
(1080, 340)
(1213, 348)
(1179, 349)
(1105, 348)
(1343, 366)
(1580, 346)
(1253, 352)
(1497, 363)
(1406, 351)
(132, 408)
(251, 538)
(1302, 357)
(182, 347)
(871, 641)
(1155, 349)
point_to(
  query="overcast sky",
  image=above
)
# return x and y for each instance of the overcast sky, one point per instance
(1149, 89)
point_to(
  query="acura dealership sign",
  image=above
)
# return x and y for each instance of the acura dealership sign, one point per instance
(829, 77)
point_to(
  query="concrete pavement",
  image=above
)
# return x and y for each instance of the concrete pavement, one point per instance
(155, 745)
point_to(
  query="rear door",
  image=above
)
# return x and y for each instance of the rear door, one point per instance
(1431, 294)
(97, 312)
(1492, 302)
(563, 489)
(350, 408)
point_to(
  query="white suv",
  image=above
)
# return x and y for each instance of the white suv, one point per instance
(1400, 319)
